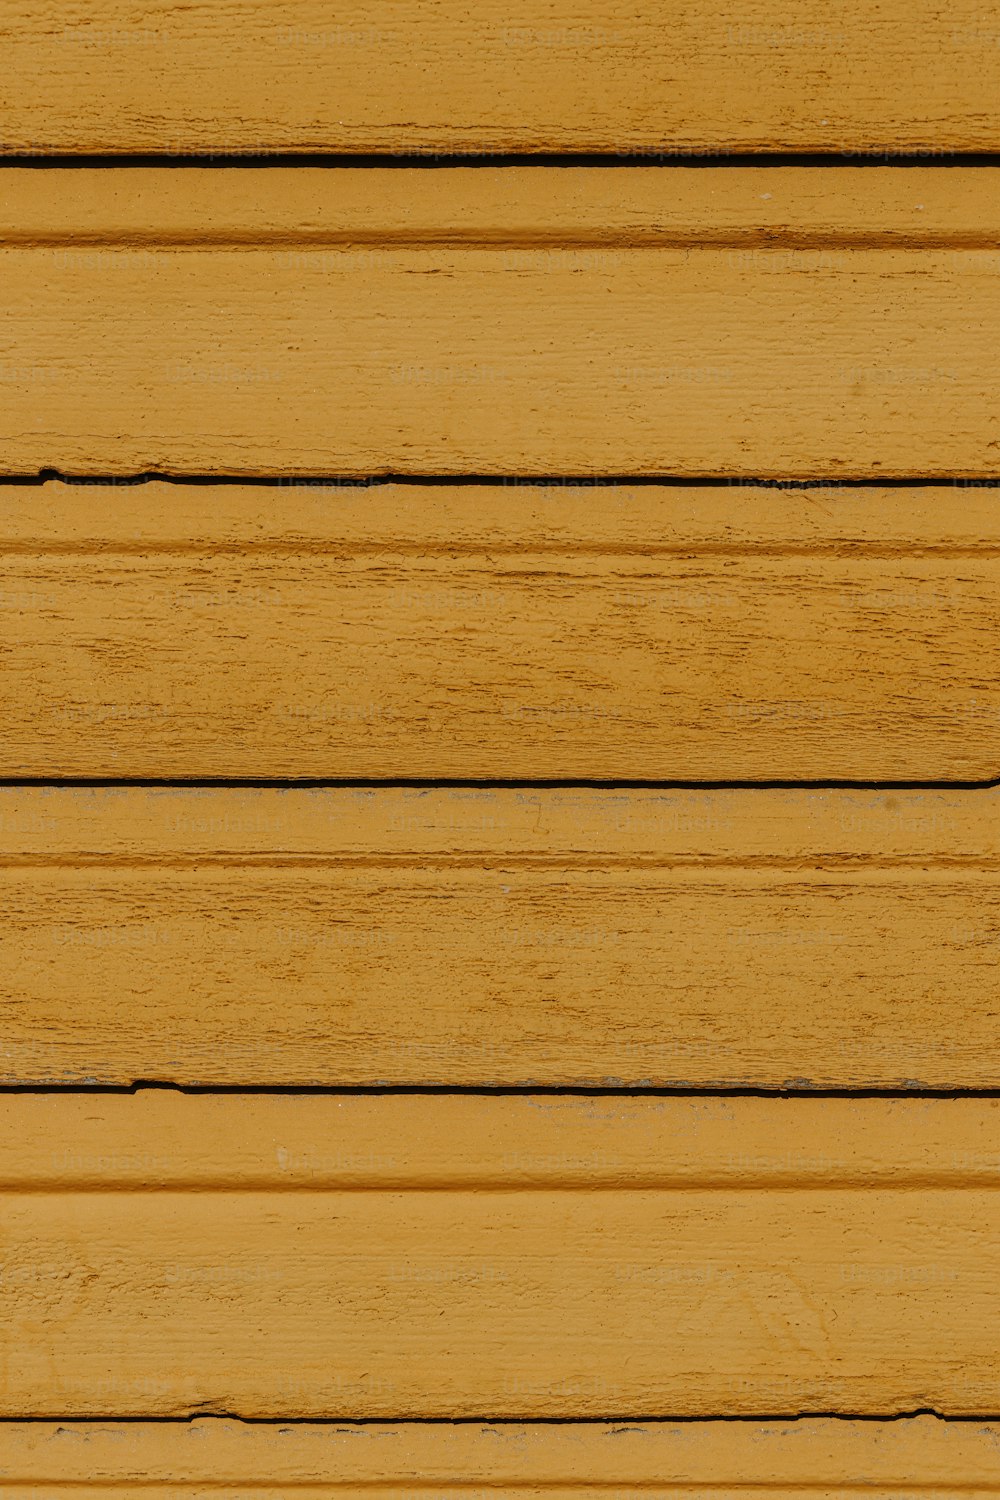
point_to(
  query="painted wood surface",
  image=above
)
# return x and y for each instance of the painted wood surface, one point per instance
(750, 205)
(162, 1140)
(476, 938)
(734, 352)
(798, 1287)
(720, 1458)
(520, 75)
(492, 631)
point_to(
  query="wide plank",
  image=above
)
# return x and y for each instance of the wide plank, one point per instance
(662, 633)
(826, 1457)
(521, 75)
(396, 336)
(704, 1256)
(769, 939)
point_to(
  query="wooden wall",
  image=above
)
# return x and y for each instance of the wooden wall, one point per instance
(499, 723)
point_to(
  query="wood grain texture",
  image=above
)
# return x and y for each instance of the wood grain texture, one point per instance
(691, 349)
(520, 75)
(401, 631)
(733, 939)
(798, 1287)
(720, 1458)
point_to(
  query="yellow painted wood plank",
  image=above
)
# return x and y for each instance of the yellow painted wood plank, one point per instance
(518, 75)
(584, 207)
(831, 939)
(648, 519)
(162, 1140)
(497, 1299)
(918, 1453)
(488, 631)
(720, 346)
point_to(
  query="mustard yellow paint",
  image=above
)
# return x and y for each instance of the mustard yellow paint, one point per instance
(230, 78)
(475, 632)
(503, 520)
(380, 1257)
(741, 353)
(164, 1141)
(834, 939)
(917, 1453)
(568, 206)
(496, 1298)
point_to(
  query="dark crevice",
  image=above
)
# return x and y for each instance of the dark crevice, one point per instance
(486, 784)
(502, 481)
(236, 159)
(800, 1089)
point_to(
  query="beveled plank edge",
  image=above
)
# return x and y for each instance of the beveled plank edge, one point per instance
(506, 206)
(916, 1452)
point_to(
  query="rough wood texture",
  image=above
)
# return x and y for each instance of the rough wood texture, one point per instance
(648, 342)
(921, 1453)
(791, 1284)
(657, 633)
(516, 75)
(832, 939)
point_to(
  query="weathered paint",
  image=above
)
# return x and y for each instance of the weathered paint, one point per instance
(227, 77)
(660, 633)
(740, 354)
(812, 1291)
(475, 938)
(827, 1458)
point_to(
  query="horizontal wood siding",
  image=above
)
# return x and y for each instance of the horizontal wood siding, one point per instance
(521, 75)
(465, 1026)
(608, 633)
(696, 355)
(733, 939)
(799, 1287)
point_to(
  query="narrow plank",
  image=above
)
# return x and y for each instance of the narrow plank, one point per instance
(583, 207)
(702, 343)
(147, 1142)
(709, 939)
(659, 633)
(802, 1289)
(913, 1454)
(520, 76)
